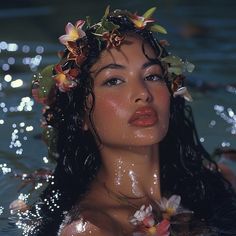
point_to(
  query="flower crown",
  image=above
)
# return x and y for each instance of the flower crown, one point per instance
(66, 78)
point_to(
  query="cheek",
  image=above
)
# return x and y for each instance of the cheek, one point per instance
(110, 109)
(163, 106)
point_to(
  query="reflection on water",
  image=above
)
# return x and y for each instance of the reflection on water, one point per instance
(200, 32)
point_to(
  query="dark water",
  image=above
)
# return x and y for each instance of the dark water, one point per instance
(204, 32)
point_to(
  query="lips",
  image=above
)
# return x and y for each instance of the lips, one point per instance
(144, 117)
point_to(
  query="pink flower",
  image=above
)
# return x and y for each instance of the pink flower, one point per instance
(73, 32)
(140, 21)
(162, 229)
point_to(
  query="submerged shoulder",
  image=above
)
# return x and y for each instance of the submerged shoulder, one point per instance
(83, 228)
(92, 223)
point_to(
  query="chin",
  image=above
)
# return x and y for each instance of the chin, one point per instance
(149, 136)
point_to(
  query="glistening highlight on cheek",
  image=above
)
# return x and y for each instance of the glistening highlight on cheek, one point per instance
(112, 106)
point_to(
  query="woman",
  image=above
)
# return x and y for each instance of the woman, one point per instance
(125, 139)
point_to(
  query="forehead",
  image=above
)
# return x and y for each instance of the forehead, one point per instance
(133, 50)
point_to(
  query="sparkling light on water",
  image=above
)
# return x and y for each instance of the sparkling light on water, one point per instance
(18, 136)
(227, 115)
(29, 221)
(8, 78)
(23, 197)
(45, 160)
(12, 47)
(1, 210)
(225, 144)
(20, 129)
(202, 139)
(212, 123)
(17, 83)
(231, 89)
(5, 169)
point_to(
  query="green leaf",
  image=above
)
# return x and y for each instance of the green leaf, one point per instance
(175, 70)
(149, 12)
(46, 81)
(107, 11)
(109, 26)
(158, 28)
(88, 21)
(100, 30)
(189, 66)
(173, 60)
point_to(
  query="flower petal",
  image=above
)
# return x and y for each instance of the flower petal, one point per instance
(183, 92)
(69, 27)
(163, 228)
(72, 32)
(174, 202)
(63, 39)
(79, 24)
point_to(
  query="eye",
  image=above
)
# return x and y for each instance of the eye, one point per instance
(113, 82)
(154, 77)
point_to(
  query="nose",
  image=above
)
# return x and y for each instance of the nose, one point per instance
(141, 92)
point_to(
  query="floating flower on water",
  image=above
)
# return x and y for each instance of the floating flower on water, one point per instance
(73, 32)
(65, 78)
(18, 205)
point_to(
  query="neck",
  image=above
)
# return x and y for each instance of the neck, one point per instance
(132, 172)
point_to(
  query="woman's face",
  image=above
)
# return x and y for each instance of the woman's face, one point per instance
(131, 96)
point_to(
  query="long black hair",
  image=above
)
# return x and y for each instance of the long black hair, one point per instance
(184, 163)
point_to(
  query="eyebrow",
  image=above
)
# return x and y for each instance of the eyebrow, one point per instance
(117, 66)
(151, 63)
(109, 66)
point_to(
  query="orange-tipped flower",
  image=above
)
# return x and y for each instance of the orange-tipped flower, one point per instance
(64, 80)
(140, 21)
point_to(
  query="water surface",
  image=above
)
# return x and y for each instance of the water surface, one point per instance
(201, 31)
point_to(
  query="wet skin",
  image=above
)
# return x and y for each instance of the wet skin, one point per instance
(131, 117)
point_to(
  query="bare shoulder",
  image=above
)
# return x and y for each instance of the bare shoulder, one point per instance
(91, 223)
(83, 228)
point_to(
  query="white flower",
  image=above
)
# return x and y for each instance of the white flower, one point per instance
(145, 213)
(170, 205)
(183, 92)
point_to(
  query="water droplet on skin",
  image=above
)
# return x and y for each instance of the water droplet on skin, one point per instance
(134, 183)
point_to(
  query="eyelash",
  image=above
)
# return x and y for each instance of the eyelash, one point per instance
(154, 78)
(113, 82)
(116, 81)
